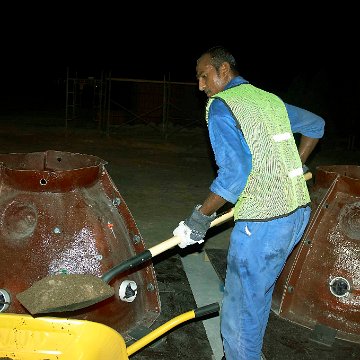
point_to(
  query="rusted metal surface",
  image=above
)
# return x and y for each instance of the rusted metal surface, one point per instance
(61, 213)
(320, 284)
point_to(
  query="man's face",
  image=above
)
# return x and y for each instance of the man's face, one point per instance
(210, 81)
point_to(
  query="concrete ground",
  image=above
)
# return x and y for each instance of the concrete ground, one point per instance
(162, 176)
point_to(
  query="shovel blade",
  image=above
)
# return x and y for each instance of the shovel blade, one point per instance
(64, 292)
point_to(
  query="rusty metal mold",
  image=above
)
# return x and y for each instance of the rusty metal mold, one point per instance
(60, 212)
(320, 284)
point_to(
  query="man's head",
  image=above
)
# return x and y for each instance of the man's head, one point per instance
(214, 69)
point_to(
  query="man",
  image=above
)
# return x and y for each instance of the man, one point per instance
(260, 170)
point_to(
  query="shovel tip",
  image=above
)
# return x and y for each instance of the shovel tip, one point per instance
(64, 292)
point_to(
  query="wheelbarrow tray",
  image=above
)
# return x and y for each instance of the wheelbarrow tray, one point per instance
(23, 337)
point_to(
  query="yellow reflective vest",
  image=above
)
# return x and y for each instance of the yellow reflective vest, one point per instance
(276, 185)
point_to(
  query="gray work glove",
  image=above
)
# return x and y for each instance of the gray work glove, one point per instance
(305, 169)
(193, 229)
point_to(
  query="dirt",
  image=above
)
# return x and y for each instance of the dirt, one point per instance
(64, 292)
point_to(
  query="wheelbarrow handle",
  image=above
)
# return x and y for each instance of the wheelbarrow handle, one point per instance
(206, 310)
(161, 330)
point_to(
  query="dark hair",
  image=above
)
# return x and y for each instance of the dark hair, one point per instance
(219, 55)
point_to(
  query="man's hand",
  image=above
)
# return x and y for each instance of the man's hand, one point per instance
(193, 229)
(183, 231)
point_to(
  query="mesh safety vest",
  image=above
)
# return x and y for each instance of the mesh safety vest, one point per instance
(276, 185)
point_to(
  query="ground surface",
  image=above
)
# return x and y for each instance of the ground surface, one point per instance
(160, 174)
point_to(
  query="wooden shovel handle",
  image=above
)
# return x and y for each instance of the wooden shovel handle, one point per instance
(175, 240)
(308, 176)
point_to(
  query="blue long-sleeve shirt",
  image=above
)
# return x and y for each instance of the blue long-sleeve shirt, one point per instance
(232, 154)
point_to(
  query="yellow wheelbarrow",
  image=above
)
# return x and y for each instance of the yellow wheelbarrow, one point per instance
(23, 337)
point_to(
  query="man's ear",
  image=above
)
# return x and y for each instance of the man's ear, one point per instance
(225, 69)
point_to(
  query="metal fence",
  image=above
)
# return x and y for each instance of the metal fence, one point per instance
(166, 106)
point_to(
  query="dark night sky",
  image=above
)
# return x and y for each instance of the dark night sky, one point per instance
(153, 55)
(37, 49)
(132, 47)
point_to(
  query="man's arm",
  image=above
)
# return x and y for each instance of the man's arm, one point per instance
(309, 125)
(306, 146)
(212, 203)
(305, 122)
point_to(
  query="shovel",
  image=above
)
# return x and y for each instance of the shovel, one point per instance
(50, 294)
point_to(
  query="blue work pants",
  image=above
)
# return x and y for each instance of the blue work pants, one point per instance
(257, 254)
